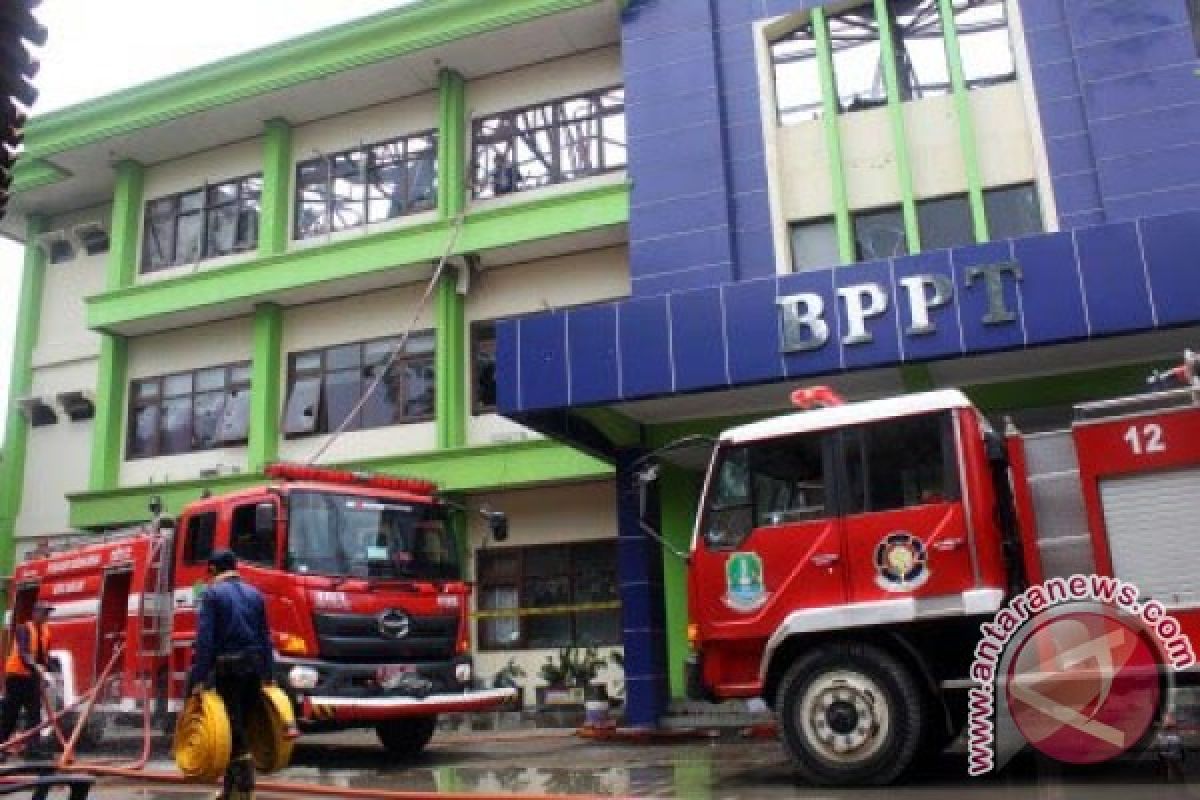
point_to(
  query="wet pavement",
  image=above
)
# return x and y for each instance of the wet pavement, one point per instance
(560, 763)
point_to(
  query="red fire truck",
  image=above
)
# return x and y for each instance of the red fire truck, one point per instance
(845, 556)
(365, 599)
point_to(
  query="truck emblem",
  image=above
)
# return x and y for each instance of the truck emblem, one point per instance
(394, 624)
(744, 589)
(901, 563)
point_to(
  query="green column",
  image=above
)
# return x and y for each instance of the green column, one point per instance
(452, 143)
(126, 224)
(833, 139)
(12, 468)
(264, 386)
(277, 188)
(891, 76)
(114, 350)
(450, 363)
(966, 122)
(679, 494)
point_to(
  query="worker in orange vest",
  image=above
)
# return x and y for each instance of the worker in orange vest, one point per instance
(25, 671)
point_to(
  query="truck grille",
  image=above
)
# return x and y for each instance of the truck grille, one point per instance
(356, 638)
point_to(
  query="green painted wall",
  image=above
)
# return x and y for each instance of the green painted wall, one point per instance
(16, 432)
(450, 359)
(128, 197)
(266, 374)
(679, 492)
(273, 230)
(452, 144)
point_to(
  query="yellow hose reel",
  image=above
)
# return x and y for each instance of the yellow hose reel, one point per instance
(203, 741)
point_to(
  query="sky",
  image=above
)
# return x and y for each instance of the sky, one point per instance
(100, 47)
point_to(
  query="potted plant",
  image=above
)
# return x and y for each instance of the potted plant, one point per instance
(569, 675)
(509, 677)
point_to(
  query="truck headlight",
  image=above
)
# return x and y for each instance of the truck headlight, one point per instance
(462, 673)
(303, 677)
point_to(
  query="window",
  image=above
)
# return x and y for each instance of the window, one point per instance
(1013, 211)
(189, 411)
(987, 53)
(554, 142)
(814, 245)
(901, 463)
(325, 386)
(797, 78)
(483, 362)
(201, 536)
(880, 234)
(779, 482)
(208, 222)
(245, 541)
(367, 185)
(922, 61)
(945, 222)
(575, 583)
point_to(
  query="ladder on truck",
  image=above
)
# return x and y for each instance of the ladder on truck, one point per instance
(152, 645)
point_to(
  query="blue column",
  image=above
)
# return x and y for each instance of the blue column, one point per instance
(643, 611)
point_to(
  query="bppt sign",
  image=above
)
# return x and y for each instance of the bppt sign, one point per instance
(805, 316)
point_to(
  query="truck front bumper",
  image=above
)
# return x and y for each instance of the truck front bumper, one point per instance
(351, 710)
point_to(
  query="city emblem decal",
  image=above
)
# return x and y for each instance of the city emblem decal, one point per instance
(901, 562)
(744, 587)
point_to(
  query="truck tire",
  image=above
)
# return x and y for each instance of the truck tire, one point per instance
(850, 715)
(406, 738)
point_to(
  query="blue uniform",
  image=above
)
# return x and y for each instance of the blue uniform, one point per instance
(232, 621)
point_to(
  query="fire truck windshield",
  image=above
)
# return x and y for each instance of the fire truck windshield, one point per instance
(368, 537)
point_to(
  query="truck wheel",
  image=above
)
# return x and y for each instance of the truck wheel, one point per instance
(850, 714)
(406, 738)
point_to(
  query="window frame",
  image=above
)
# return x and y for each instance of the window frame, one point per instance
(136, 404)
(481, 343)
(189, 555)
(248, 199)
(322, 424)
(487, 145)
(369, 168)
(576, 552)
(250, 508)
(850, 506)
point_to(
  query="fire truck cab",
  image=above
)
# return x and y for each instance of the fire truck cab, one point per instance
(365, 600)
(844, 557)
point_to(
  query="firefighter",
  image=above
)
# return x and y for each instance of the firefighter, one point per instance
(233, 652)
(25, 671)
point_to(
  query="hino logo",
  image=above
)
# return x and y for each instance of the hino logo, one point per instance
(394, 624)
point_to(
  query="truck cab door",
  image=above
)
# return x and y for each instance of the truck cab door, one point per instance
(906, 525)
(770, 543)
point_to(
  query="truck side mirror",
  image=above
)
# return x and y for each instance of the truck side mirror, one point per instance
(264, 519)
(497, 523)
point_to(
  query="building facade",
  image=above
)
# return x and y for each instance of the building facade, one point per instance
(657, 218)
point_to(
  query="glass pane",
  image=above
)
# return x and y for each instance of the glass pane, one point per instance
(857, 59)
(615, 153)
(485, 368)
(145, 389)
(496, 566)
(814, 245)
(380, 351)
(548, 630)
(880, 234)
(422, 182)
(305, 362)
(190, 239)
(495, 173)
(547, 561)
(240, 374)
(222, 230)
(945, 223)
(175, 385)
(534, 160)
(385, 192)
(176, 426)
(921, 49)
(613, 98)
(500, 631)
(579, 148)
(906, 464)
(595, 573)
(192, 201)
(984, 42)
(303, 407)
(383, 404)
(144, 432)
(162, 208)
(788, 481)
(223, 193)
(342, 357)
(596, 628)
(420, 343)
(247, 225)
(158, 243)
(342, 392)
(235, 422)
(418, 389)
(348, 204)
(209, 408)
(201, 533)
(798, 95)
(209, 379)
(1013, 212)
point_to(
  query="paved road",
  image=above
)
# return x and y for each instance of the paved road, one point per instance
(563, 764)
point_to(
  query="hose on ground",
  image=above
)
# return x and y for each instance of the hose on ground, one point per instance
(204, 739)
